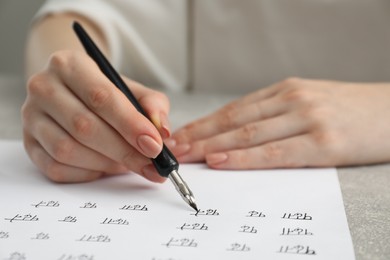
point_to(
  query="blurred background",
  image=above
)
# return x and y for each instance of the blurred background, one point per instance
(15, 17)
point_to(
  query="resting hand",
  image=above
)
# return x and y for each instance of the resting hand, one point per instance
(78, 125)
(295, 123)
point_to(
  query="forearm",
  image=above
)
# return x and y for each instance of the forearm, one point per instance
(54, 33)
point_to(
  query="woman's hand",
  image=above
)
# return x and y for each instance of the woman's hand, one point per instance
(294, 123)
(78, 125)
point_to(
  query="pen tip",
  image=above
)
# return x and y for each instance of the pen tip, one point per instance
(191, 201)
(193, 205)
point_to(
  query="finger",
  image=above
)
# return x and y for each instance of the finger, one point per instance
(149, 172)
(84, 126)
(295, 152)
(260, 104)
(229, 118)
(65, 149)
(155, 104)
(82, 76)
(250, 135)
(32, 119)
(59, 172)
(54, 170)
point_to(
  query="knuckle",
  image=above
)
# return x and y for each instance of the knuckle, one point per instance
(154, 97)
(292, 164)
(325, 139)
(317, 116)
(187, 133)
(297, 94)
(259, 108)
(54, 171)
(243, 159)
(62, 150)
(84, 126)
(29, 144)
(272, 152)
(228, 120)
(247, 133)
(205, 147)
(25, 112)
(185, 130)
(99, 97)
(160, 96)
(292, 82)
(330, 144)
(37, 85)
(60, 60)
(276, 156)
(129, 158)
(29, 117)
(296, 90)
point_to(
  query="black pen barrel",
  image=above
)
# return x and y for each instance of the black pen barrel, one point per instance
(165, 162)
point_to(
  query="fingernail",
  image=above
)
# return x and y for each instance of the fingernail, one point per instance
(162, 124)
(165, 132)
(216, 158)
(150, 173)
(149, 146)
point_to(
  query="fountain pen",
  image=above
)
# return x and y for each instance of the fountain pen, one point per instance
(165, 163)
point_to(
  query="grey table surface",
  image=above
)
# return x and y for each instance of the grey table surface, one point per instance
(366, 190)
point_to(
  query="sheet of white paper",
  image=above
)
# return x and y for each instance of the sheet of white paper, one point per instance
(275, 214)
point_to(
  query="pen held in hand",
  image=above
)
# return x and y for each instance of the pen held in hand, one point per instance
(165, 163)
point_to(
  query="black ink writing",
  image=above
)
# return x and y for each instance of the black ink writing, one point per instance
(89, 205)
(41, 236)
(255, 214)
(295, 232)
(248, 229)
(76, 257)
(194, 226)
(134, 207)
(181, 242)
(69, 219)
(297, 216)
(50, 204)
(118, 221)
(16, 256)
(27, 217)
(4, 235)
(208, 212)
(299, 249)
(239, 247)
(98, 238)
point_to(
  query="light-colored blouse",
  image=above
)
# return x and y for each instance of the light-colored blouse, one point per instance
(240, 46)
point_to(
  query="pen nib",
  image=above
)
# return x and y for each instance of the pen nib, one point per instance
(191, 201)
(183, 189)
(193, 205)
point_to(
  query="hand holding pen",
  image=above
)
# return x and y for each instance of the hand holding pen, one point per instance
(165, 162)
(78, 126)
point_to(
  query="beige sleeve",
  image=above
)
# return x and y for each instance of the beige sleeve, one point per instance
(99, 12)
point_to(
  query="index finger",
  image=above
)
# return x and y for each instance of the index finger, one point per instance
(83, 77)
